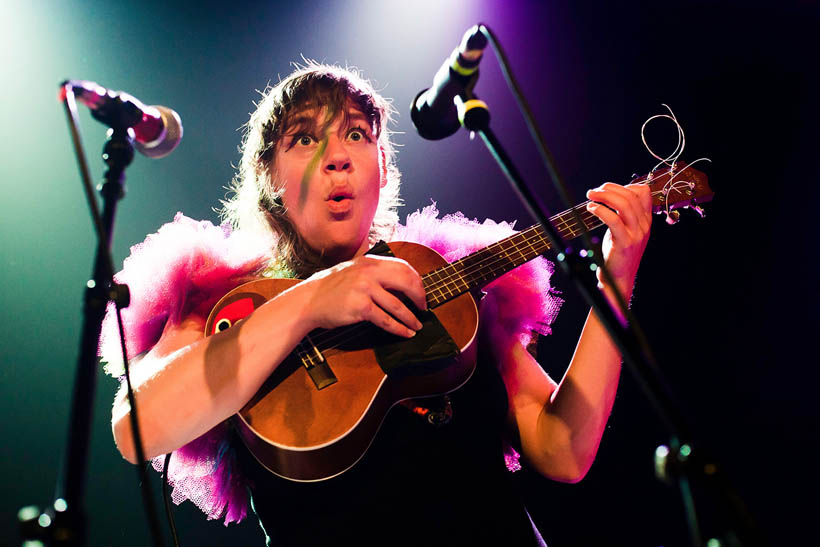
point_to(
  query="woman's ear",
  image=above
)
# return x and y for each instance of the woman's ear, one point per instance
(383, 167)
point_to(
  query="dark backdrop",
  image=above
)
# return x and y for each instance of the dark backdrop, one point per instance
(727, 301)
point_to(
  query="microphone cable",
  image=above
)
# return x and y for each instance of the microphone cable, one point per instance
(166, 499)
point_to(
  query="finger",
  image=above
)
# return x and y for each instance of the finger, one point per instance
(644, 203)
(395, 307)
(635, 206)
(644, 193)
(376, 315)
(632, 194)
(611, 219)
(396, 274)
(618, 198)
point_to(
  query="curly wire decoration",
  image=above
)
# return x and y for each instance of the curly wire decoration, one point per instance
(672, 158)
(678, 151)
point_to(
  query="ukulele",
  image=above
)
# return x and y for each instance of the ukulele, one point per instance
(319, 411)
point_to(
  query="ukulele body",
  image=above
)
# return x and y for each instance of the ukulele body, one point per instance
(303, 433)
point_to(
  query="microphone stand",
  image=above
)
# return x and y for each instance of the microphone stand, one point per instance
(680, 460)
(65, 522)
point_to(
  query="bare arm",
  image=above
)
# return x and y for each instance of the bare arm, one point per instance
(560, 425)
(187, 384)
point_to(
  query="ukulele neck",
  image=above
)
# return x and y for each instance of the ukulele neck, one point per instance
(481, 267)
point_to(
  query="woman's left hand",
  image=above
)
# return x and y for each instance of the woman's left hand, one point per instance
(628, 214)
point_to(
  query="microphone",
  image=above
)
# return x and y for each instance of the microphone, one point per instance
(157, 130)
(434, 111)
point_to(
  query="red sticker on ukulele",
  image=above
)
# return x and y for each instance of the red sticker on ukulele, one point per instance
(232, 313)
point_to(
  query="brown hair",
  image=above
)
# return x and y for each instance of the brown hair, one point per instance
(256, 205)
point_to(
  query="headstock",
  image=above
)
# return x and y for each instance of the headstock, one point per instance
(676, 187)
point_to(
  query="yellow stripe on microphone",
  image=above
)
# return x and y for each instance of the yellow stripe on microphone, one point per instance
(465, 106)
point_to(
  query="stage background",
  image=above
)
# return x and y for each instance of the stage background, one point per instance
(728, 301)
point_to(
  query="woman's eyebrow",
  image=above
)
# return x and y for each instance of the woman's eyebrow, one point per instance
(357, 117)
(305, 123)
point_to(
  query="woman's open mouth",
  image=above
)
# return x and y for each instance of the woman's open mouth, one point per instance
(340, 202)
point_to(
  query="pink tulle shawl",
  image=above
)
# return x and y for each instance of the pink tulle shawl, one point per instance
(188, 264)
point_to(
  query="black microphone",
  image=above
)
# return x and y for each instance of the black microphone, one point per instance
(433, 111)
(157, 129)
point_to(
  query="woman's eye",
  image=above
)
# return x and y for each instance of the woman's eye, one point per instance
(357, 134)
(304, 140)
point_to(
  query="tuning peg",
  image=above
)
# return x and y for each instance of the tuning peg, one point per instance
(672, 217)
(698, 209)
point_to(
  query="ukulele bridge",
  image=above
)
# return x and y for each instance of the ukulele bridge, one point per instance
(315, 364)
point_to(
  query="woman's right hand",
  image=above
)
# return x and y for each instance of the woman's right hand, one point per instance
(363, 289)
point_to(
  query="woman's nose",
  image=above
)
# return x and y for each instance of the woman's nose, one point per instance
(336, 156)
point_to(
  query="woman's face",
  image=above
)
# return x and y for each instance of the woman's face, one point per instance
(330, 176)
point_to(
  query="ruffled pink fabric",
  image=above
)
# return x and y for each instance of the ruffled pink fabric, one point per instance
(184, 265)
(206, 472)
(187, 263)
(169, 274)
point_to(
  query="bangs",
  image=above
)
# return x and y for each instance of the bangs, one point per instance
(324, 91)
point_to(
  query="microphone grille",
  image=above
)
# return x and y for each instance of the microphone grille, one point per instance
(168, 140)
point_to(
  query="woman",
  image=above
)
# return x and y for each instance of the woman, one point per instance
(317, 187)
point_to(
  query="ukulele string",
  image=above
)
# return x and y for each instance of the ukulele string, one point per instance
(538, 242)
